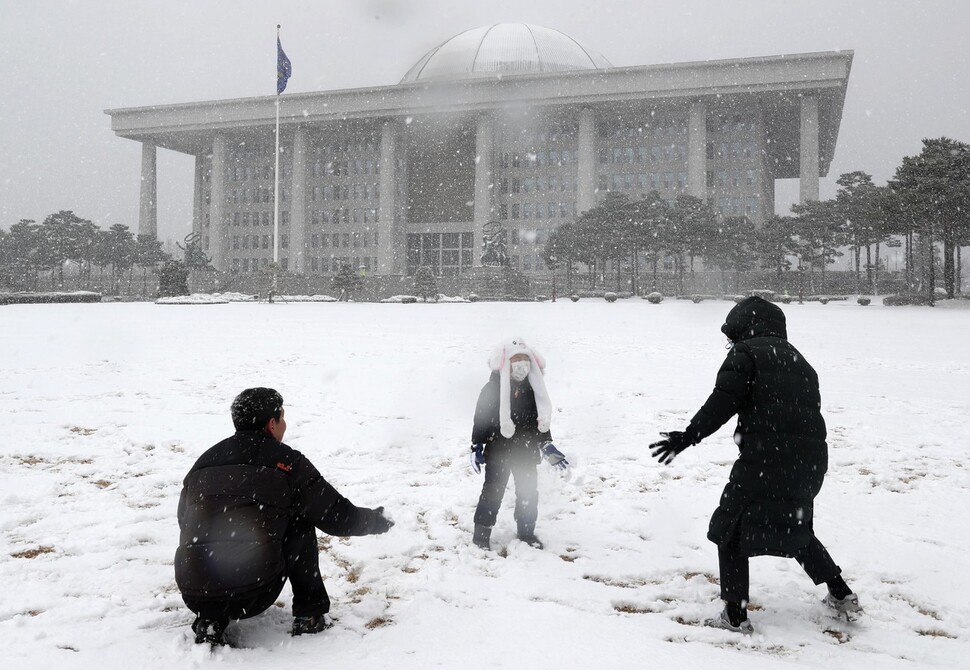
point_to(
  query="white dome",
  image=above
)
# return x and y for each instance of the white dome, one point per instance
(504, 48)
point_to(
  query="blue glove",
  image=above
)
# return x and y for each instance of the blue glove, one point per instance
(477, 458)
(554, 457)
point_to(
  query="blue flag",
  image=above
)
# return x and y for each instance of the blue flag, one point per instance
(283, 68)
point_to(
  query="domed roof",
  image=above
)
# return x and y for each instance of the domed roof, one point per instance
(504, 48)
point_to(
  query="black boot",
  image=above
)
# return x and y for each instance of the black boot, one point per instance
(210, 631)
(309, 625)
(482, 537)
(527, 534)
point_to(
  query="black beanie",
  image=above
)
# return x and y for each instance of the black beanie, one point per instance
(254, 407)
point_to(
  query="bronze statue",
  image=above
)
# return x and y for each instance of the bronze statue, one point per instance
(195, 257)
(494, 252)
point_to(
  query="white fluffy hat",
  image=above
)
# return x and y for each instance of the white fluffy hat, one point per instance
(500, 361)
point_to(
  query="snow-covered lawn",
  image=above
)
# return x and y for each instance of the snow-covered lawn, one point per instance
(107, 406)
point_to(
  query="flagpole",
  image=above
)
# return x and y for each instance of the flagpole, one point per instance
(276, 195)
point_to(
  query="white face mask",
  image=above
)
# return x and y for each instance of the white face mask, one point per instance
(520, 370)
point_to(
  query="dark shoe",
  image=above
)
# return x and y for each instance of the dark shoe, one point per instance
(207, 630)
(724, 622)
(482, 537)
(531, 540)
(308, 625)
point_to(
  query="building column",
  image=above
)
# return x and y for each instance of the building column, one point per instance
(198, 196)
(147, 202)
(390, 242)
(484, 141)
(586, 168)
(697, 151)
(297, 246)
(808, 150)
(218, 222)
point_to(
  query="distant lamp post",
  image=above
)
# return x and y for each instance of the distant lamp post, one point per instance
(552, 262)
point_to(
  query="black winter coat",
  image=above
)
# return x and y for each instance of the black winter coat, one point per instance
(767, 505)
(236, 505)
(524, 444)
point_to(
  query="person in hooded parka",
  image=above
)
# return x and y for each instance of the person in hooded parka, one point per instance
(767, 506)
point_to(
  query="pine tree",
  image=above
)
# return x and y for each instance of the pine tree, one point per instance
(425, 284)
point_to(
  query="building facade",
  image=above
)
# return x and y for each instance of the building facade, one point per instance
(511, 123)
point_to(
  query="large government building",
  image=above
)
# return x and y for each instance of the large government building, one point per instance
(513, 123)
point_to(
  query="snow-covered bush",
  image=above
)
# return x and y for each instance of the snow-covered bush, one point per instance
(862, 300)
(609, 296)
(656, 298)
(574, 297)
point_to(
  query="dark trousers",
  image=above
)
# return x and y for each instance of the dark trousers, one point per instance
(497, 472)
(813, 558)
(301, 565)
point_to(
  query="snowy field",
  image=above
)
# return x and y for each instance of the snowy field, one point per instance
(107, 406)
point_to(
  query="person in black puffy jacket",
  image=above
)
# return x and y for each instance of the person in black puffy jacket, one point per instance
(248, 515)
(767, 506)
(509, 434)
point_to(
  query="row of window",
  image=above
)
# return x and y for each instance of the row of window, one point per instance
(345, 240)
(251, 172)
(253, 241)
(366, 191)
(259, 218)
(344, 216)
(334, 263)
(317, 264)
(538, 158)
(730, 178)
(344, 168)
(352, 239)
(536, 210)
(738, 206)
(254, 195)
(356, 146)
(447, 254)
(733, 150)
(547, 184)
(643, 154)
(551, 134)
(644, 181)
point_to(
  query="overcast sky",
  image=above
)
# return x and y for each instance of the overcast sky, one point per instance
(65, 62)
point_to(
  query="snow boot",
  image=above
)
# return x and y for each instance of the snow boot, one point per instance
(482, 537)
(527, 534)
(308, 625)
(848, 607)
(210, 631)
(723, 621)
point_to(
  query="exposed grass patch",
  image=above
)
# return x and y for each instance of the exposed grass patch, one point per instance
(78, 430)
(377, 622)
(935, 632)
(33, 553)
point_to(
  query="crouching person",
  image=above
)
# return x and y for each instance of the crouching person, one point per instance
(510, 431)
(248, 515)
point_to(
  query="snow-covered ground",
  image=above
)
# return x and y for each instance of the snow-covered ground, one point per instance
(107, 406)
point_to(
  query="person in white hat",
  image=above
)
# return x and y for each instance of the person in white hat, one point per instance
(510, 432)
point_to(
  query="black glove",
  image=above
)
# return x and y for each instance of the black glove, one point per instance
(674, 442)
(381, 523)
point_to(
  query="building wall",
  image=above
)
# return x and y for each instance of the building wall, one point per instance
(534, 167)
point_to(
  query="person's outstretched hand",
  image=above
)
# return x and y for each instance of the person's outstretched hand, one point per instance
(666, 450)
